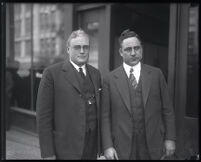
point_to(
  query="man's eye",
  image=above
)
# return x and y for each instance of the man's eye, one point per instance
(136, 48)
(76, 47)
(86, 47)
(128, 49)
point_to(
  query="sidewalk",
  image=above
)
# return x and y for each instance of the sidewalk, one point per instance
(21, 144)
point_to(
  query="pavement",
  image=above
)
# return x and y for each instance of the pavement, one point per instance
(21, 144)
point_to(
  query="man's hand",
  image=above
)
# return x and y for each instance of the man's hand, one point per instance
(50, 158)
(111, 154)
(169, 147)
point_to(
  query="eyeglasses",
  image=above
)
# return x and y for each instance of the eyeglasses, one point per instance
(79, 47)
(129, 49)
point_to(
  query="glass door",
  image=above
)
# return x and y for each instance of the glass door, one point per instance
(91, 21)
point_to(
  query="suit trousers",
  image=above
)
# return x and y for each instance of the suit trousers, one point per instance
(90, 145)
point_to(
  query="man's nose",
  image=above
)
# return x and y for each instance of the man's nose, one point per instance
(81, 50)
(133, 52)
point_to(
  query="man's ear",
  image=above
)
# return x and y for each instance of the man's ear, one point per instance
(120, 51)
(67, 49)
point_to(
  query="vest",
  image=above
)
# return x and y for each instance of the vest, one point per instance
(137, 107)
(88, 92)
(139, 134)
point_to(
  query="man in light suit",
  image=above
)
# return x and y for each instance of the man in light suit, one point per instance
(137, 114)
(68, 105)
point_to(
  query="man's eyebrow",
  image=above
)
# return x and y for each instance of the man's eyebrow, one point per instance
(132, 46)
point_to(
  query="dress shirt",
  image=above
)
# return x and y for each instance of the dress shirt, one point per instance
(77, 67)
(136, 72)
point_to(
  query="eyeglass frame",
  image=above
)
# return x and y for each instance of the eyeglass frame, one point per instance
(79, 47)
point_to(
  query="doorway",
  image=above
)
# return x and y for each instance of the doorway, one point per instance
(151, 23)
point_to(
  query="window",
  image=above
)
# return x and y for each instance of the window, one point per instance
(28, 48)
(17, 9)
(17, 49)
(28, 26)
(52, 47)
(53, 17)
(17, 28)
(27, 8)
(42, 47)
(93, 31)
(192, 63)
(42, 22)
(31, 55)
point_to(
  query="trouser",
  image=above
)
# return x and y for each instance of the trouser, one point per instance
(139, 150)
(90, 145)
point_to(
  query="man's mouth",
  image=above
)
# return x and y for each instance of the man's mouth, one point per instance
(134, 58)
(81, 56)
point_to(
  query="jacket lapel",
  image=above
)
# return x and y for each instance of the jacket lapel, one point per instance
(146, 83)
(70, 76)
(122, 86)
(93, 77)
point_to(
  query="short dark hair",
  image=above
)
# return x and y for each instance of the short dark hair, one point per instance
(127, 34)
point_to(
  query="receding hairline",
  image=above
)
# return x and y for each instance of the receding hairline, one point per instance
(75, 34)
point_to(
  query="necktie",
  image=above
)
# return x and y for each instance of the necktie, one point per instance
(132, 79)
(81, 73)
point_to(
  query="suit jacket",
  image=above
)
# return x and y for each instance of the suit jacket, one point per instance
(116, 112)
(61, 111)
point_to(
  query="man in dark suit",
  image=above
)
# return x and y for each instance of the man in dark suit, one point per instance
(68, 105)
(138, 120)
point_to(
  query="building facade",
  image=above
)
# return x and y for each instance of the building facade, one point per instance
(36, 35)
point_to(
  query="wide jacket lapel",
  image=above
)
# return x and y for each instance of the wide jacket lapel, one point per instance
(146, 83)
(122, 86)
(69, 75)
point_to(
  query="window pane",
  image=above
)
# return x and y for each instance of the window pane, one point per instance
(90, 21)
(26, 66)
(93, 30)
(50, 43)
(17, 28)
(192, 63)
(17, 49)
(28, 47)
(27, 26)
(17, 8)
(19, 63)
(28, 8)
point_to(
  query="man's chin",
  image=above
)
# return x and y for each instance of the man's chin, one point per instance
(80, 63)
(134, 63)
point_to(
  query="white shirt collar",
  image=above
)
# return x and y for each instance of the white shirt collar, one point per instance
(77, 67)
(136, 68)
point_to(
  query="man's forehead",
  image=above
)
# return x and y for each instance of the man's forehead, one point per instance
(80, 39)
(131, 41)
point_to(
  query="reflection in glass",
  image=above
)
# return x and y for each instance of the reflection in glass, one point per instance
(32, 54)
(192, 63)
(92, 30)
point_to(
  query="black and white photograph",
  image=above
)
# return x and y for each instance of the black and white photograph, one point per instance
(100, 81)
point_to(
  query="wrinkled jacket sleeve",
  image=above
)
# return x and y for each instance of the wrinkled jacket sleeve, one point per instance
(44, 114)
(167, 110)
(106, 115)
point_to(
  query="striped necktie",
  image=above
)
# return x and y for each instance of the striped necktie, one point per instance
(132, 79)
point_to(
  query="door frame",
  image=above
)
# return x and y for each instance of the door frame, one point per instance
(105, 42)
(177, 73)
